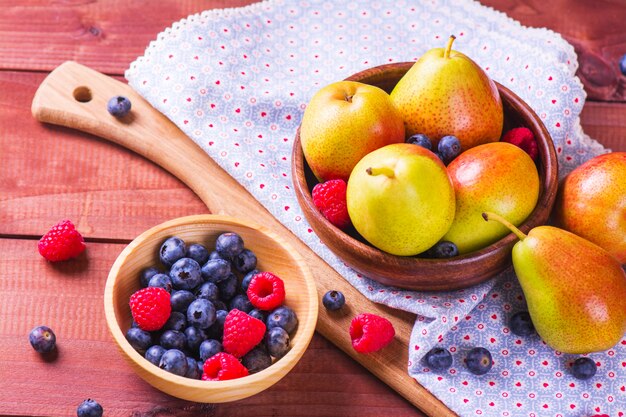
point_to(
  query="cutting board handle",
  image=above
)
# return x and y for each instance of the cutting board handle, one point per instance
(76, 96)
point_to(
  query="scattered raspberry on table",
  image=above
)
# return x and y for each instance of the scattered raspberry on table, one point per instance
(62, 242)
(370, 333)
(330, 199)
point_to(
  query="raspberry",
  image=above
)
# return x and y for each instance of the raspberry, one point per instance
(241, 333)
(330, 198)
(523, 138)
(223, 366)
(150, 308)
(61, 243)
(266, 291)
(370, 332)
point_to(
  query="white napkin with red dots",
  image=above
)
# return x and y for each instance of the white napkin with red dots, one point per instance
(237, 81)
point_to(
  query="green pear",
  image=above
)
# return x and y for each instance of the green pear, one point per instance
(446, 93)
(575, 290)
(400, 199)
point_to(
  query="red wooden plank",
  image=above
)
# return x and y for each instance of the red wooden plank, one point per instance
(68, 298)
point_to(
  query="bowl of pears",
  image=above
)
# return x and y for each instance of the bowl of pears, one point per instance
(395, 166)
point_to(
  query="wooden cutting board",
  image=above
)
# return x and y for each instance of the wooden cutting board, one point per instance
(75, 96)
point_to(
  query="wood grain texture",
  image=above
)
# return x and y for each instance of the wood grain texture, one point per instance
(430, 274)
(144, 130)
(107, 36)
(605, 122)
(50, 172)
(69, 298)
(594, 28)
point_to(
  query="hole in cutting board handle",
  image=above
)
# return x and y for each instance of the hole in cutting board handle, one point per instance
(82, 94)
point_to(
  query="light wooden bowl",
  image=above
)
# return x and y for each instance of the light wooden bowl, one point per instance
(274, 255)
(419, 273)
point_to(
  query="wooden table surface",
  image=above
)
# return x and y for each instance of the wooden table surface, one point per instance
(48, 173)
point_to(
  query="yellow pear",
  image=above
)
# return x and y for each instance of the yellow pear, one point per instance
(446, 93)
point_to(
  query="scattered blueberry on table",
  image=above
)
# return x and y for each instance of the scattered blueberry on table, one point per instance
(584, 368)
(89, 408)
(42, 339)
(333, 300)
(119, 106)
(479, 361)
(521, 324)
(438, 359)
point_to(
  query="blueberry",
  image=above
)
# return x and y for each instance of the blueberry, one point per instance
(229, 245)
(449, 147)
(119, 106)
(228, 287)
(42, 339)
(443, 249)
(258, 314)
(283, 317)
(162, 281)
(208, 291)
(194, 337)
(177, 321)
(245, 261)
(146, 274)
(173, 339)
(245, 282)
(209, 348)
(420, 140)
(181, 299)
(584, 368)
(201, 313)
(479, 361)
(438, 359)
(139, 339)
(521, 324)
(256, 360)
(185, 274)
(174, 361)
(241, 302)
(333, 300)
(277, 342)
(622, 64)
(172, 250)
(216, 270)
(220, 305)
(198, 253)
(154, 353)
(216, 331)
(89, 408)
(200, 368)
(214, 255)
(193, 371)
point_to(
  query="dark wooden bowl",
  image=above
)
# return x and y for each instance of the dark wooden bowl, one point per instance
(419, 273)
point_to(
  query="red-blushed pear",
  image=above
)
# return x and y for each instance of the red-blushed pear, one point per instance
(400, 199)
(592, 202)
(343, 122)
(446, 93)
(574, 289)
(497, 177)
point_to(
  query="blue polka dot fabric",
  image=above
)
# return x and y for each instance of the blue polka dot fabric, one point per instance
(237, 81)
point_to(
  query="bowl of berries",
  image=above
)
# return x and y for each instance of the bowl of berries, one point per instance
(210, 308)
(404, 205)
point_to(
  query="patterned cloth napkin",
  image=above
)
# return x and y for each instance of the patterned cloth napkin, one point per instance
(236, 81)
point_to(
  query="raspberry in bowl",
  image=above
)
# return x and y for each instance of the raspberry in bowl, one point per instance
(191, 305)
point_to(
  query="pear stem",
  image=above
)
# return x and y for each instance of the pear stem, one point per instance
(493, 216)
(381, 171)
(446, 52)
